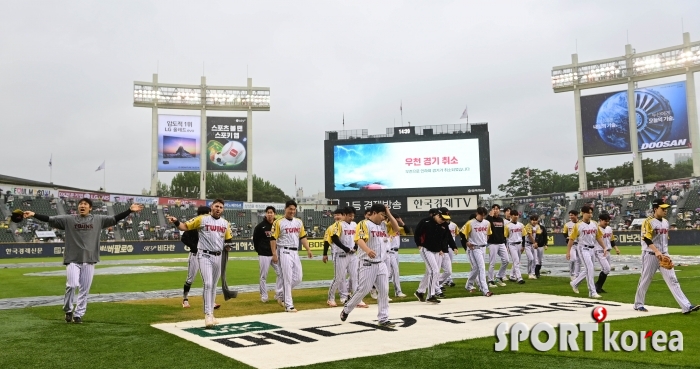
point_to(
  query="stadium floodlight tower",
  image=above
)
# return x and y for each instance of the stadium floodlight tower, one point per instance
(156, 95)
(632, 67)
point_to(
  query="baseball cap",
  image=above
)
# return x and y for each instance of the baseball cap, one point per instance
(659, 203)
(444, 213)
(433, 211)
(17, 216)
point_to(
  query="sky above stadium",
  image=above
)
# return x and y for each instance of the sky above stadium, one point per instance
(67, 71)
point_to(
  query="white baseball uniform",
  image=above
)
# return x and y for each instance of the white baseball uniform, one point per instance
(287, 233)
(477, 233)
(446, 276)
(514, 240)
(656, 230)
(392, 260)
(587, 235)
(372, 271)
(531, 234)
(575, 262)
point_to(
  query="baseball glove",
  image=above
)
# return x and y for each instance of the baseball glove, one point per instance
(666, 262)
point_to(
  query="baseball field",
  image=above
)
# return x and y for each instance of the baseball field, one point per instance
(121, 335)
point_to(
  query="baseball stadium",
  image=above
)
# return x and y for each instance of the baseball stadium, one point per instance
(417, 252)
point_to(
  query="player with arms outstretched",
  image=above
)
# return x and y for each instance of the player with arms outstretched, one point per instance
(213, 232)
(82, 251)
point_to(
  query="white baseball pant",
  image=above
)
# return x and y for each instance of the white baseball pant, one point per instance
(291, 273)
(393, 270)
(192, 268)
(531, 258)
(478, 273)
(446, 276)
(78, 276)
(210, 269)
(650, 264)
(587, 258)
(351, 283)
(603, 261)
(575, 262)
(540, 255)
(265, 262)
(372, 274)
(430, 279)
(495, 251)
(514, 249)
(340, 269)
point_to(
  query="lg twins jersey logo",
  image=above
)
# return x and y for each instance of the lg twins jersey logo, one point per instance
(215, 228)
(481, 229)
(661, 231)
(82, 227)
(349, 232)
(379, 234)
(588, 231)
(607, 235)
(292, 230)
(267, 234)
(516, 230)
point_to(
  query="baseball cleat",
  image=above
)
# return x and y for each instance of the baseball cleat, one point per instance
(600, 290)
(512, 279)
(492, 284)
(69, 317)
(452, 284)
(343, 315)
(532, 276)
(420, 296)
(573, 277)
(574, 288)
(489, 294)
(280, 302)
(520, 281)
(77, 320)
(595, 296)
(501, 283)
(471, 290)
(209, 321)
(433, 299)
(692, 308)
(292, 310)
(642, 309)
(216, 306)
(400, 294)
(441, 296)
(362, 305)
(331, 303)
(343, 301)
(373, 293)
(263, 301)
(387, 324)
(389, 299)
(185, 303)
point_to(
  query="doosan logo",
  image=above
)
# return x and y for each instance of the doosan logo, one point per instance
(662, 144)
(568, 333)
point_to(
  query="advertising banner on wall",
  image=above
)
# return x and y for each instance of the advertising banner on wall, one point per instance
(145, 200)
(172, 201)
(28, 191)
(661, 115)
(229, 205)
(396, 203)
(227, 144)
(79, 195)
(179, 143)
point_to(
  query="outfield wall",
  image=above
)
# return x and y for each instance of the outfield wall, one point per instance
(29, 250)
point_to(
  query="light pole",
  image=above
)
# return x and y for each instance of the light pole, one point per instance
(157, 95)
(633, 67)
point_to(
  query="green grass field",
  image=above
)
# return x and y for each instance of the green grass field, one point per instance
(119, 335)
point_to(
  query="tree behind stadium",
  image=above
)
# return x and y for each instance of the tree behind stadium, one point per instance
(220, 185)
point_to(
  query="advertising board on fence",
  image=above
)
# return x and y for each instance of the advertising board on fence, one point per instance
(79, 195)
(29, 191)
(172, 201)
(229, 205)
(145, 200)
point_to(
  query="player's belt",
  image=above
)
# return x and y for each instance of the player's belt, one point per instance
(291, 248)
(479, 245)
(371, 262)
(516, 243)
(588, 246)
(341, 255)
(653, 253)
(215, 253)
(395, 249)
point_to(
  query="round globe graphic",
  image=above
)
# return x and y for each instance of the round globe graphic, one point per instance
(654, 118)
(612, 123)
